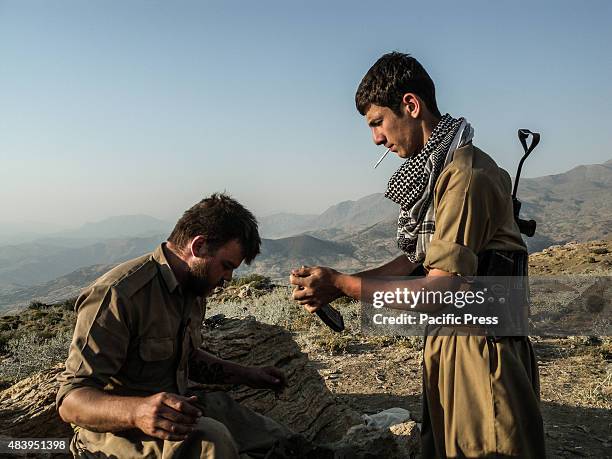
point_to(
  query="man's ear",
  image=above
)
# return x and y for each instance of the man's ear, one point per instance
(411, 105)
(197, 247)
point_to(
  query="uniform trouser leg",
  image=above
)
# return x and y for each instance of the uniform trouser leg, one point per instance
(210, 440)
(481, 398)
(228, 430)
(254, 434)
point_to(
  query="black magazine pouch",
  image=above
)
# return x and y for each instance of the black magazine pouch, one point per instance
(511, 267)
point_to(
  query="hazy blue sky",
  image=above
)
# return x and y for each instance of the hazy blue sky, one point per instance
(123, 107)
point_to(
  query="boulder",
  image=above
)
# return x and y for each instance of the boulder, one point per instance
(371, 442)
(306, 405)
(27, 409)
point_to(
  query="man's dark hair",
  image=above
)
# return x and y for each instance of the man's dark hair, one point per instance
(392, 76)
(219, 219)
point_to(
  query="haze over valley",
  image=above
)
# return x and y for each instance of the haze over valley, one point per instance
(350, 236)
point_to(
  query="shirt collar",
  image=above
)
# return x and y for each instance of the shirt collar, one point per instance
(164, 267)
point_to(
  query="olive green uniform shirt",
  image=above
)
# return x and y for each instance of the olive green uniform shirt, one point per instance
(481, 395)
(135, 330)
(473, 212)
(135, 334)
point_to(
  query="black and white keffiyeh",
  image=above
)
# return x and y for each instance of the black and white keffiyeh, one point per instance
(412, 185)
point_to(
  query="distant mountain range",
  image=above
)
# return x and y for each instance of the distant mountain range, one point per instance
(574, 205)
(347, 215)
(279, 256)
(14, 298)
(121, 227)
(351, 236)
(35, 263)
(117, 227)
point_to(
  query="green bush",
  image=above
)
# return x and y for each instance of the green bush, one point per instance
(4, 339)
(38, 314)
(67, 305)
(38, 305)
(256, 280)
(43, 323)
(29, 354)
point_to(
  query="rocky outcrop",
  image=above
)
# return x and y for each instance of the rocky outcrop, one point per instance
(27, 409)
(249, 287)
(593, 258)
(306, 405)
(361, 441)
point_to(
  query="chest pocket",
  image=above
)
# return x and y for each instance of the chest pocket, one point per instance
(157, 361)
(156, 349)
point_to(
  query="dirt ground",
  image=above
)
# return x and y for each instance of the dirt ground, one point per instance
(576, 388)
(575, 372)
(371, 374)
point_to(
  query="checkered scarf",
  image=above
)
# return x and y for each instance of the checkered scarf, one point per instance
(412, 185)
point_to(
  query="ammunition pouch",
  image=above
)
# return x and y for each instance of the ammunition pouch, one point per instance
(512, 266)
(502, 263)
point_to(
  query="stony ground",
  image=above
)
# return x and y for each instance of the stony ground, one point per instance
(371, 374)
(576, 388)
(593, 258)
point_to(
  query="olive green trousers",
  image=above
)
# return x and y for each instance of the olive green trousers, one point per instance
(227, 431)
(481, 398)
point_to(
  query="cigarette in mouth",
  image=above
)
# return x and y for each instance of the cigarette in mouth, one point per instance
(381, 158)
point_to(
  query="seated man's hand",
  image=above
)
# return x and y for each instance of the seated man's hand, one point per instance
(265, 378)
(167, 416)
(314, 286)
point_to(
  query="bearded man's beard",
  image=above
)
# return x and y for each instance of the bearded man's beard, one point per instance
(198, 279)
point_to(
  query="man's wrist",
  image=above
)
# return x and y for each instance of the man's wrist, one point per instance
(132, 412)
(347, 284)
(340, 282)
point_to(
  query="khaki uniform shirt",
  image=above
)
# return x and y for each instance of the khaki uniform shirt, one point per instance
(135, 331)
(481, 396)
(473, 208)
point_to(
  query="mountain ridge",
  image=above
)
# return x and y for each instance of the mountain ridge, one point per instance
(351, 235)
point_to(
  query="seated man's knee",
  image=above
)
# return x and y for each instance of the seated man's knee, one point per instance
(213, 439)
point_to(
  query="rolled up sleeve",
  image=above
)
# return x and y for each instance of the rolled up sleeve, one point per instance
(100, 341)
(466, 203)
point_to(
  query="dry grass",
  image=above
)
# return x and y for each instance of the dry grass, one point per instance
(277, 308)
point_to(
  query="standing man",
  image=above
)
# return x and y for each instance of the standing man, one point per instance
(137, 342)
(480, 394)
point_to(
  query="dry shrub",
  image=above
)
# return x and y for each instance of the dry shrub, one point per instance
(29, 354)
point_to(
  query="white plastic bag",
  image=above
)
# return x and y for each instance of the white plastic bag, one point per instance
(386, 418)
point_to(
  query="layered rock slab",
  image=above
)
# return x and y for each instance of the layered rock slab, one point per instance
(27, 409)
